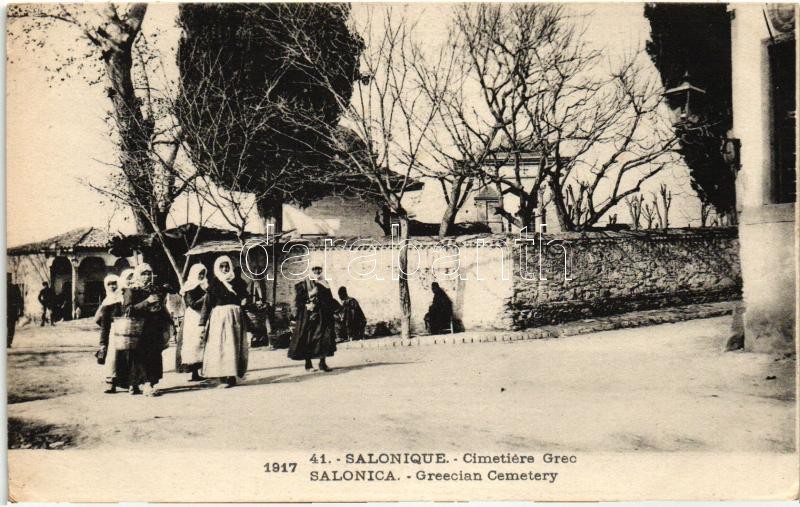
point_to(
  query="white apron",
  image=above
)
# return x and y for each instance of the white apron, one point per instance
(226, 347)
(191, 340)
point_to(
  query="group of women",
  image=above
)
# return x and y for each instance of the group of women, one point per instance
(212, 340)
(135, 328)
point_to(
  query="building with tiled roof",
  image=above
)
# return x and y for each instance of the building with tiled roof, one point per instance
(80, 239)
(73, 264)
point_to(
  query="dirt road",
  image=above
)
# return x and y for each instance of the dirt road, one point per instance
(661, 388)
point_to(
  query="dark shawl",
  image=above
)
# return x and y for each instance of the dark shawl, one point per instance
(156, 319)
(353, 320)
(314, 334)
(440, 313)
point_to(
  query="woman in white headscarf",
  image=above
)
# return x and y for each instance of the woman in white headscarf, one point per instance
(145, 304)
(189, 352)
(120, 365)
(226, 349)
(104, 318)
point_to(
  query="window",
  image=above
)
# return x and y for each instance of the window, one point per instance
(486, 214)
(784, 119)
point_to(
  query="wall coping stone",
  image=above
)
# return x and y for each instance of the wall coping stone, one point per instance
(506, 240)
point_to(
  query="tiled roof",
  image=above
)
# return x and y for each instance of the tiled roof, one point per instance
(82, 238)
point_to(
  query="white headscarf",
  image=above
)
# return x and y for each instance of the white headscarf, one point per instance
(224, 278)
(137, 274)
(112, 296)
(123, 280)
(193, 278)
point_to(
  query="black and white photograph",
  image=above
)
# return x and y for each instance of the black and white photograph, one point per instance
(379, 252)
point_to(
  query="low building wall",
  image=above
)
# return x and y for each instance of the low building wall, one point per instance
(615, 272)
(476, 275)
(509, 282)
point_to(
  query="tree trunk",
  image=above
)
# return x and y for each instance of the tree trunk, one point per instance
(143, 225)
(270, 211)
(405, 295)
(133, 129)
(526, 212)
(454, 202)
(541, 209)
(562, 213)
(448, 219)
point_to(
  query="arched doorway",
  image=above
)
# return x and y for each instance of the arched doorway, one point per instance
(91, 292)
(61, 282)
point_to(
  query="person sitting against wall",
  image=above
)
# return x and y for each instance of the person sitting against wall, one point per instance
(440, 314)
(351, 319)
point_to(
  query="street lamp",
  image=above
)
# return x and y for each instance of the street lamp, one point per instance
(689, 102)
(686, 99)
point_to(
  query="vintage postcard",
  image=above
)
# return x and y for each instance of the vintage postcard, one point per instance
(327, 252)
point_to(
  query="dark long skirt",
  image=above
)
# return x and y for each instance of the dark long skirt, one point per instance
(124, 367)
(148, 354)
(313, 338)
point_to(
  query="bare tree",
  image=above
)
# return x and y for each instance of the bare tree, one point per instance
(616, 139)
(379, 142)
(649, 213)
(455, 154)
(111, 48)
(662, 206)
(485, 114)
(597, 135)
(706, 210)
(634, 204)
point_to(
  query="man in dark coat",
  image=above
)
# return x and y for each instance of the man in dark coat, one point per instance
(440, 313)
(47, 298)
(13, 306)
(315, 326)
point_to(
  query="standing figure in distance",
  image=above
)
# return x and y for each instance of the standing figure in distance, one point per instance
(226, 347)
(315, 329)
(47, 298)
(189, 352)
(14, 306)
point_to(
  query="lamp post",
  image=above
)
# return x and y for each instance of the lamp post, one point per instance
(687, 100)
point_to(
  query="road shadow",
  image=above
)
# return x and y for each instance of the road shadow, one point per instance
(281, 367)
(199, 386)
(302, 377)
(273, 379)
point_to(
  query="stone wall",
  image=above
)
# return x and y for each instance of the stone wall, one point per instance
(495, 281)
(609, 273)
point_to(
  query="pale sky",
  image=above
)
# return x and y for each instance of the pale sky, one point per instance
(56, 136)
